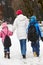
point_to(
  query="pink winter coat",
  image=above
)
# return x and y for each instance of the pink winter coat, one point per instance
(6, 31)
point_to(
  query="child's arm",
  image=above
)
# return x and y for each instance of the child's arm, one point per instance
(10, 33)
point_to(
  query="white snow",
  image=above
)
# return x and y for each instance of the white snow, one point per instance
(16, 58)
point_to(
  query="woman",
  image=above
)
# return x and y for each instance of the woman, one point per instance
(21, 23)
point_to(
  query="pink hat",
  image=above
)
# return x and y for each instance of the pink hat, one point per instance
(4, 25)
(18, 12)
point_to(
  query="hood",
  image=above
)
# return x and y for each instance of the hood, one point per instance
(4, 24)
(21, 17)
(33, 20)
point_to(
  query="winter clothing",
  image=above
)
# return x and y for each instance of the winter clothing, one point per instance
(7, 52)
(5, 31)
(35, 45)
(34, 21)
(21, 23)
(4, 25)
(35, 54)
(18, 12)
(24, 56)
(8, 55)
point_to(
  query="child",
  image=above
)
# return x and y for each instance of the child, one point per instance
(3, 33)
(34, 42)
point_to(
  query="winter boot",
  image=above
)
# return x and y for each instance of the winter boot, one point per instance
(24, 56)
(35, 54)
(5, 54)
(8, 55)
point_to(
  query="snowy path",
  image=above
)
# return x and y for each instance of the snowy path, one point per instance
(16, 58)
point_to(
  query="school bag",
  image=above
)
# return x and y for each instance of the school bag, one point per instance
(7, 41)
(32, 33)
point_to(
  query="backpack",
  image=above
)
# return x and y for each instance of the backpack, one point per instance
(7, 41)
(32, 34)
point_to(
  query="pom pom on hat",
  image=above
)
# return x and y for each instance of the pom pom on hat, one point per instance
(18, 12)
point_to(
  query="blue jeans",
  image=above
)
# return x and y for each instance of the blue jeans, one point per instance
(35, 47)
(7, 49)
(23, 46)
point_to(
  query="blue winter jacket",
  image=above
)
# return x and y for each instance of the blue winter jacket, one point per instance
(34, 21)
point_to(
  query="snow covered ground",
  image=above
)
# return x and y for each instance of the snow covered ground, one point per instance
(16, 58)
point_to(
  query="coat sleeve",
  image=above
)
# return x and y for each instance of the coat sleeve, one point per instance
(14, 25)
(27, 23)
(27, 28)
(10, 33)
(39, 29)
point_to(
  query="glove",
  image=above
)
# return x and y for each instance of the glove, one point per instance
(42, 38)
